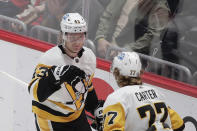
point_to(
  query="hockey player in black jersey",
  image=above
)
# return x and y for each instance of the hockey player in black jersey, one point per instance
(61, 87)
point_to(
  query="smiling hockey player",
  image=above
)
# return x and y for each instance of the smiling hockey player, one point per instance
(61, 87)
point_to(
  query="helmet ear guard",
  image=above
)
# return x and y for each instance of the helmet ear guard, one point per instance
(128, 64)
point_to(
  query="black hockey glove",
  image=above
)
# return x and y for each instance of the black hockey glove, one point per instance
(68, 73)
(98, 113)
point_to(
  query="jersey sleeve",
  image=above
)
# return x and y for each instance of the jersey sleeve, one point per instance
(114, 112)
(176, 121)
(92, 99)
(41, 86)
(114, 117)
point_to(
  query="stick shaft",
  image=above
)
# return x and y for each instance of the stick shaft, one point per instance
(13, 78)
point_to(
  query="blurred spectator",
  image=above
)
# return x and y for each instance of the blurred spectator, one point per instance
(169, 37)
(27, 11)
(11, 8)
(175, 6)
(186, 22)
(55, 9)
(179, 39)
(31, 15)
(131, 24)
(169, 43)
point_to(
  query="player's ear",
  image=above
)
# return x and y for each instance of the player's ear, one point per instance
(116, 72)
(141, 72)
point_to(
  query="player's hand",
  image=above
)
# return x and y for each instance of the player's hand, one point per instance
(68, 73)
(98, 113)
(102, 47)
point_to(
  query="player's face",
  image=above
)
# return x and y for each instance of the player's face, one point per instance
(74, 43)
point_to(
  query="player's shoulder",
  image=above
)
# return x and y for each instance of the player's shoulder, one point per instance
(50, 55)
(88, 61)
(112, 99)
(88, 53)
(52, 50)
(118, 95)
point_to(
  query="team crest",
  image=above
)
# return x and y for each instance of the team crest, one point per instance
(65, 16)
(121, 56)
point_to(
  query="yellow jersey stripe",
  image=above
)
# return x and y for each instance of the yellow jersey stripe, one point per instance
(35, 88)
(46, 115)
(114, 117)
(43, 124)
(176, 120)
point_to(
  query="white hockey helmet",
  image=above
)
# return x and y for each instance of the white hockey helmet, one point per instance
(128, 63)
(73, 23)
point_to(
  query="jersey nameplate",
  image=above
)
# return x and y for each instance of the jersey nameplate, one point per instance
(146, 95)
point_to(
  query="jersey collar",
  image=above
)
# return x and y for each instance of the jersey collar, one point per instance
(79, 54)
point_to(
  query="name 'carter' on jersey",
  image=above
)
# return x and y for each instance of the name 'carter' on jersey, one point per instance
(145, 95)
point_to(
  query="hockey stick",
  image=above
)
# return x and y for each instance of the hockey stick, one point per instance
(13, 78)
